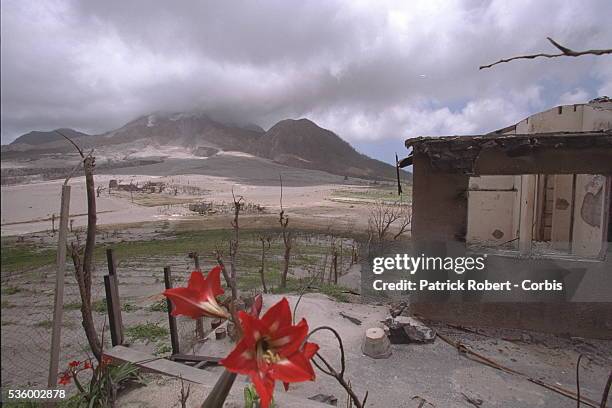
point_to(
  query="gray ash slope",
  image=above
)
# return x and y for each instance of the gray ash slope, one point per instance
(294, 143)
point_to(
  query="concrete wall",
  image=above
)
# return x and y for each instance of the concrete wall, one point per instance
(491, 207)
(563, 198)
(568, 118)
(441, 202)
(591, 192)
(440, 226)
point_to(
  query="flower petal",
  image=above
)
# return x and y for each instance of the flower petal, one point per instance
(252, 327)
(213, 279)
(310, 349)
(265, 388)
(209, 286)
(183, 302)
(296, 368)
(277, 317)
(242, 360)
(289, 339)
(189, 303)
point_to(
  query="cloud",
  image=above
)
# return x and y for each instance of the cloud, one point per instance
(577, 95)
(370, 71)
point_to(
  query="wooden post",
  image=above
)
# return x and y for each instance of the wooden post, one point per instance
(200, 321)
(527, 208)
(335, 263)
(112, 272)
(196, 260)
(59, 288)
(110, 260)
(112, 305)
(174, 339)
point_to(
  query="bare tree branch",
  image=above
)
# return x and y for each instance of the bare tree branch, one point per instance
(184, 394)
(565, 52)
(83, 258)
(332, 372)
(72, 142)
(219, 257)
(265, 246)
(234, 242)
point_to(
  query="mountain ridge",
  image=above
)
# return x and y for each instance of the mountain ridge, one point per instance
(299, 143)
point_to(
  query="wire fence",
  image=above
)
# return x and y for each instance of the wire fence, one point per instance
(28, 296)
(27, 320)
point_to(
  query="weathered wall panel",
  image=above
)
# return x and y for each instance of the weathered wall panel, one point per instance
(562, 211)
(589, 215)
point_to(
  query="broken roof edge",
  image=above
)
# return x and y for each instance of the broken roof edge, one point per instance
(479, 140)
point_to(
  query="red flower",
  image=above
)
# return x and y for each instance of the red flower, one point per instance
(87, 365)
(74, 364)
(65, 378)
(199, 297)
(271, 349)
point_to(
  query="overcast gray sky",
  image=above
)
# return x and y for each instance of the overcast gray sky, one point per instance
(374, 72)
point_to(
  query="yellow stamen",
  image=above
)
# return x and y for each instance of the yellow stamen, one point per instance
(271, 357)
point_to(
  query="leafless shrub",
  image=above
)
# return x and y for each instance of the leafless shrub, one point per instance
(388, 221)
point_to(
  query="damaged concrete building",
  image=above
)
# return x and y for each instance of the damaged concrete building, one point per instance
(534, 197)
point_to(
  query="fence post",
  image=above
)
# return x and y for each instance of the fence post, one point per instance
(112, 272)
(110, 260)
(59, 288)
(174, 340)
(112, 308)
(200, 321)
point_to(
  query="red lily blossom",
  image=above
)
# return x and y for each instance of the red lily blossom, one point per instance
(272, 349)
(198, 299)
(65, 378)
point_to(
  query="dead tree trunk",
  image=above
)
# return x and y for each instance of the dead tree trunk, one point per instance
(287, 241)
(84, 265)
(287, 238)
(226, 276)
(265, 245)
(233, 246)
